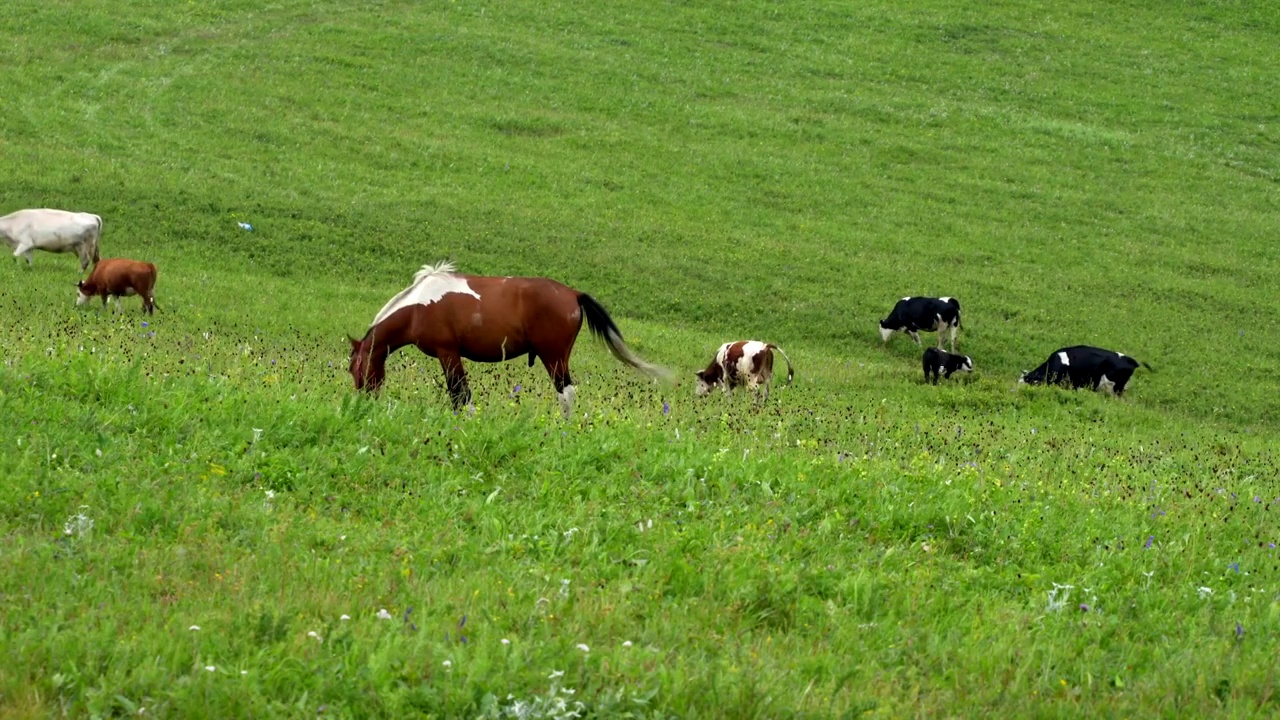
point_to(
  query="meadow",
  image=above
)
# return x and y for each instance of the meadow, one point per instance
(199, 517)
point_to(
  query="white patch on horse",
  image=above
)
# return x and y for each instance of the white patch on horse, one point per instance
(429, 285)
(1066, 362)
(567, 397)
(1106, 385)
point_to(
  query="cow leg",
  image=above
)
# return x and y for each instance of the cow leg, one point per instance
(1106, 386)
(954, 329)
(23, 251)
(914, 336)
(566, 393)
(455, 379)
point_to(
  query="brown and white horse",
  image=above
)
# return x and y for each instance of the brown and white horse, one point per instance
(486, 319)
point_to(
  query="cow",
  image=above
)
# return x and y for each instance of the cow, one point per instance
(1085, 366)
(55, 231)
(745, 362)
(913, 314)
(119, 277)
(937, 360)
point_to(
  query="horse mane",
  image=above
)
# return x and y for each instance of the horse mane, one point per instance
(426, 273)
(444, 267)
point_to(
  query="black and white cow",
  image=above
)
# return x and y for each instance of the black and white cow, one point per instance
(937, 360)
(914, 314)
(1085, 366)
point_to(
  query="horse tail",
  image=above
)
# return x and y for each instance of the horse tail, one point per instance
(603, 327)
(790, 373)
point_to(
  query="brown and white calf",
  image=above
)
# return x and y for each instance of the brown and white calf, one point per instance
(746, 362)
(118, 277)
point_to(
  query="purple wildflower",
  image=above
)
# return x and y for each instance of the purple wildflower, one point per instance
(1234, 566)
(666, 408)
(1239, 630)
(144, 323)
(1084, 608)
(1150, 539)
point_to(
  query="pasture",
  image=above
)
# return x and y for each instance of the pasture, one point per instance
(199, 517)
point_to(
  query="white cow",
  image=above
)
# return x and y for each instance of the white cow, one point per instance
(53, 231)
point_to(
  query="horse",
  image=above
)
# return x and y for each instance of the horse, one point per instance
(453, 317)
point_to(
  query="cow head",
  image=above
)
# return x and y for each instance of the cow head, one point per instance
(81, 297)
(967, 365)
(886, 331)
(705, 383)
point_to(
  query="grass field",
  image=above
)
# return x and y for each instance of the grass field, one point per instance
(200, 518)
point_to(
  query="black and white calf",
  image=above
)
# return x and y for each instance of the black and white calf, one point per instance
(937, 360)
(914, 314)
(1085, 366)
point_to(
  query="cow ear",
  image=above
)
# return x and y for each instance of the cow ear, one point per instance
(354, 342)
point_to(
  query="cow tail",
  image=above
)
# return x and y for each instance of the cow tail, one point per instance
(1145, 365)
(97, 238)
(790, 372)
(603, 327)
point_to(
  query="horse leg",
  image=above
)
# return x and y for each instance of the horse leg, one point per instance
(565, 391)
(455, 378)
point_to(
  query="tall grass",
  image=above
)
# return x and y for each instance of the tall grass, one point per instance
(863, 544)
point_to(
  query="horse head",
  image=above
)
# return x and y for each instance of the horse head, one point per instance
(366, 377)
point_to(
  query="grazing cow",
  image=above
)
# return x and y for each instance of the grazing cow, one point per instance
(913, 314)
(937, 360)
(53, 231)
(1085, 366)
(118, 277)
(746, 362)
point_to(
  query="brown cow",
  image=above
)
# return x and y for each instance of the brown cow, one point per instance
(119, 277)
(746, 362)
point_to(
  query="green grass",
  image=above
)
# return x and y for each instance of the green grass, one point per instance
(863, 545)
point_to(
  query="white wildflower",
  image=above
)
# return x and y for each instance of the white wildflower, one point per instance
(210, 668)
(626, 644)
(506, 641)
(78, 524)
(1205, 592)
(194, 627)
(447, 664)
(583, 647)
(555, 674)
(1056, 601)
(345, 617)
(314, 634)
(383, 614)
